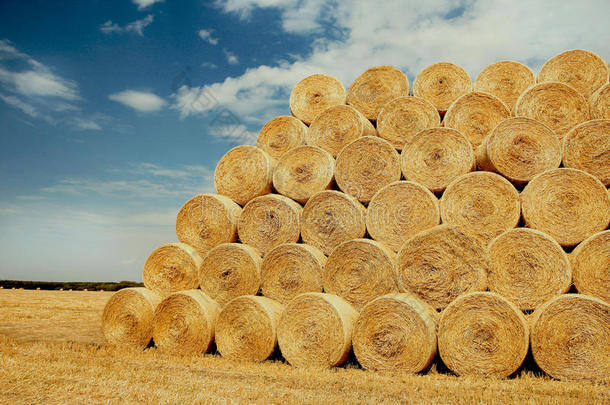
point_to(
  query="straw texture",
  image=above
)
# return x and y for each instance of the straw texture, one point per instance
(505, 80)
(591, 266)
(587, 147)
(315, 94)
(170, 268)
(441, 84)
(280, 135)
(600, 103)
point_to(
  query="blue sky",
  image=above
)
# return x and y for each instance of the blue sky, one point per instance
(116, 112)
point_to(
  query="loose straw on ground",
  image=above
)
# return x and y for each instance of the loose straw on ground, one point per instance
(247, 328)
(505, 80)
(587, 147)
(280, 135)
(170, 268)
(528, 267)
(184, 322)
(591, 266)
(366, 165)
(569, 338)
(359, 271)
(375, 87)
(482, 333)
(331, 218)
(484, 204)
(519, 148)
(315, 330)
(435, 157)
(395, 332)
(441, 84)
(128, 315)
(315, 94)
(304, 171)
(207, 220)
(292, 269)
(567, 204)
(268, 221)
(441, 263)
(399, 211)
(243, 173)
(230, 270)
(600, 103)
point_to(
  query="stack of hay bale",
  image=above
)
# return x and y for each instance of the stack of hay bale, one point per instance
(401, 223)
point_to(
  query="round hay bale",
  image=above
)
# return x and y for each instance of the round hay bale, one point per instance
(435, 157)
(184, 322)
(375, 87)
(568, 204)
(441, 84)
(230, 270)
(505, 80)
(359, 271)
(292, 269)
(484, 204)
(243, 173)
(315, 330)
(569, 338)
(366, 165)
(336, 127)
(528, 267)
(315, 94)
(395, 332)
(400, 210)
(170, 268)
(404, 117)
(280, 135)
(207, 220)
(583, 70)
(331, 218)
(475, 115)
(556, 105)
(519, 148)
(591, 266)
(441, 263)
(482, 333)
(600, 103)
(304, 171)
(128, 315)
(268, 221)
(587, 147)
(247, 328)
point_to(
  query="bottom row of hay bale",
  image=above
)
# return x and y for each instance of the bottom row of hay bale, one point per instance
(479, 333)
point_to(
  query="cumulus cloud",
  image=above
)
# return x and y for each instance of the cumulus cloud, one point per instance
(231, 57)
(207, 36)
(136, 27)
(142, 4)
(139, 100)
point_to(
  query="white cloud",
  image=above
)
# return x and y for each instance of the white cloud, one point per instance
(142, 4)
(231, 57)
(137, 26)
(209, 65)
(86, 124)
(207, 36)
(19, 104)
(139, 100)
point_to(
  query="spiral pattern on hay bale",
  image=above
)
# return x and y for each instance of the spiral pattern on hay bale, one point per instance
(315, 94)
(505, 80)
(482, 333)
(567, 204)
(280, 135)
(315, 330)
(599, 103)
(171, 268)
(395, 332)
(591, 266)
(247, 328)
(442, 83)
(587, 147)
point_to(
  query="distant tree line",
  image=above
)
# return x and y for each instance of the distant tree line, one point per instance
(66, 285)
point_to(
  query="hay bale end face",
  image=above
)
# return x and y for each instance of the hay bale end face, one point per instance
(600, 103)
(591, 266)
(441, 84)
(171, 268)
(587, 147)
(505, 80)
(280, 135)
(315, 94)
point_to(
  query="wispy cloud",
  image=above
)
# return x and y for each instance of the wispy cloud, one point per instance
(142, 4)
(86, 124)
(207, 36)
(136, 27)
(209, 65)
(231, 57)
(139, 100)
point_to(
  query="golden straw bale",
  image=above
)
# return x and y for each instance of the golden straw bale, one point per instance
(331, 218)
(482, 333)
(569, 338)
(247, 328)
(170, 268)
(336, 127)
(268, 221)
(184, 322)
(600, 103)
(280, 135)
(484, 204)
(395, 332)
(128, 315)
(441, 84)
(591, 266)
(519, 148)
(400, 210)
(587, 147)
(435, 157)
(315, 94)
(292, 269)
(315, 330)
(207, 220)
(230, 270)
(505, 80)
(441, 263)
(243, 173)
(375, 87)
(304, 171)
(366, 165)
(568, 204)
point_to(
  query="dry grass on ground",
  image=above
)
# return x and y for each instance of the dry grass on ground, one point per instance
(51, 351)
